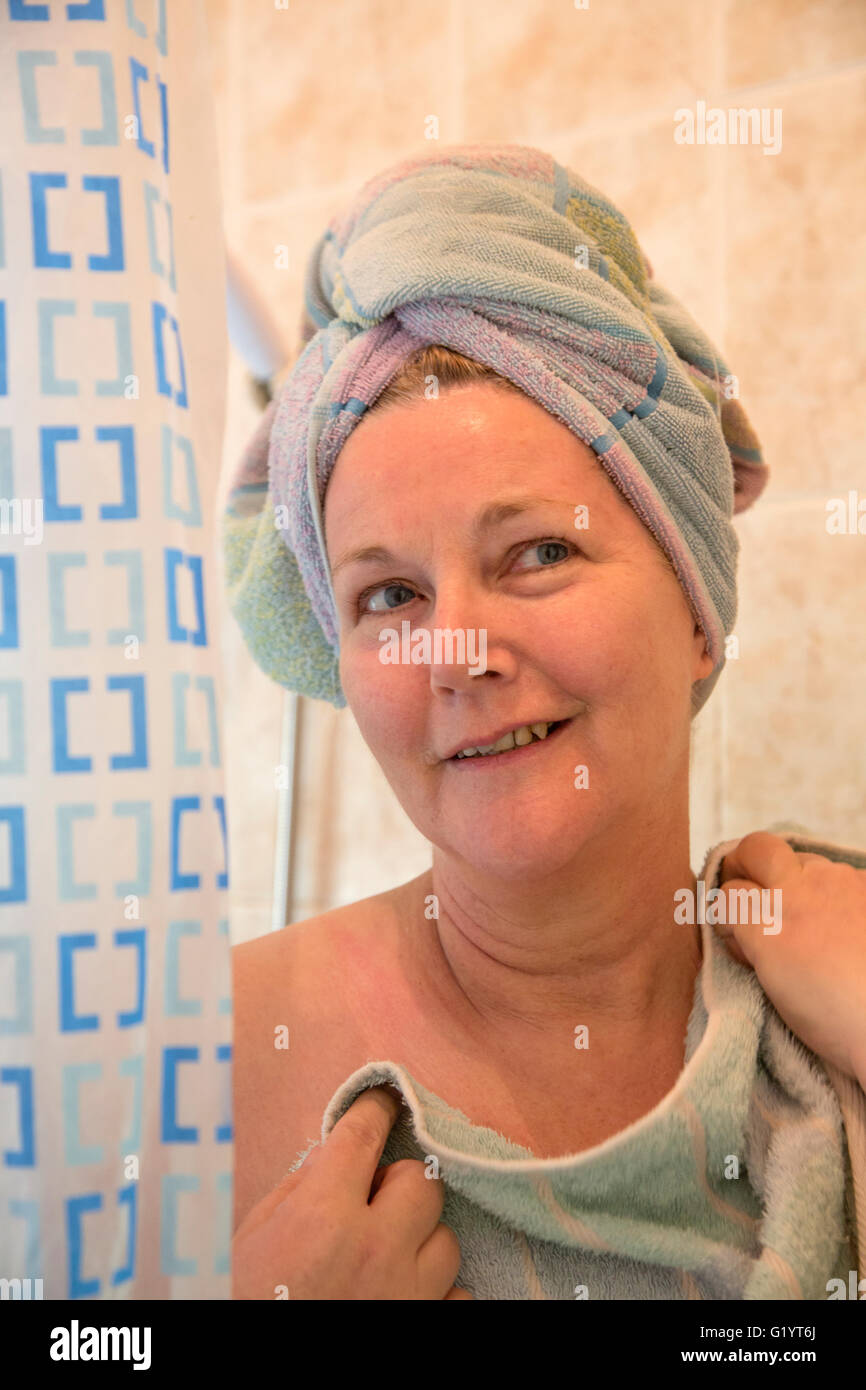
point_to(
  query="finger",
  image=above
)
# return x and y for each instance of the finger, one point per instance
(354, 1146)
(439, 1259)
(378, 1179)
(740, 933)
(763, 858)
(460, 1295)
(725, 929)
(409, 1198)
(734, 949)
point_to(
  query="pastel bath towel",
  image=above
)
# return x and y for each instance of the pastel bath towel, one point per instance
(747, 1181)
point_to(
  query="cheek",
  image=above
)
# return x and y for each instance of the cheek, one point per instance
(380, 699)
(600, 644)
(627, 649)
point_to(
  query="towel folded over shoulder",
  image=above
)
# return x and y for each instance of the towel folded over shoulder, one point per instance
(747, 1180)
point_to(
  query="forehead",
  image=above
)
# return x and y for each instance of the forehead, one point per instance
(469, 438)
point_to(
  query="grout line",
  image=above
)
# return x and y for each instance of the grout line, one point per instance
(830, 73)
(236, 79)
(305, 196)
(802, 499)
(721, 46)
(457, 53)
(637, 122)
(634, 123)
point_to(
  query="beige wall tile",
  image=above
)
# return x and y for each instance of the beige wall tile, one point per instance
(670, 194)
(797, 293)
(795, 747)
(331, 89)
(537, 66)
(217, 20)
(772, 39)
(273, 244)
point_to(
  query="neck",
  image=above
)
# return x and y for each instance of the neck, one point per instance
(593, 942)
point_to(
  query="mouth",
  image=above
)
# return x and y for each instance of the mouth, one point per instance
(509, 755)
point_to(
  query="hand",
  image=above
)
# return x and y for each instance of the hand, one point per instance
(814, 969)
(339, 1227)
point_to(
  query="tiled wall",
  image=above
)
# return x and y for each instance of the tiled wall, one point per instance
(766, 250)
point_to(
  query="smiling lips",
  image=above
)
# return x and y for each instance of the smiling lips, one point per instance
(515, 738)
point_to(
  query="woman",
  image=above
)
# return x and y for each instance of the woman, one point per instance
(607, 1103)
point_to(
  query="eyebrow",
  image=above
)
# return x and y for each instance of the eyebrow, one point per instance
(490, 517)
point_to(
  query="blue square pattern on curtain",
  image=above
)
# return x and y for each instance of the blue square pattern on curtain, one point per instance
(115, 1009)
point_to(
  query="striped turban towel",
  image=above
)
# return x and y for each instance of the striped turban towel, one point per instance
(506, 256)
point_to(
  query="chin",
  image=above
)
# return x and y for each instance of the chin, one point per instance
(512, 853)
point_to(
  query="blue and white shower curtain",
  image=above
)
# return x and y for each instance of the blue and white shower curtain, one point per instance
(115, 1010)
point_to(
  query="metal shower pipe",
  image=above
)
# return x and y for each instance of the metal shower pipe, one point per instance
(256, 336)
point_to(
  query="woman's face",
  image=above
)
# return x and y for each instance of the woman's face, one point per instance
(583, 624)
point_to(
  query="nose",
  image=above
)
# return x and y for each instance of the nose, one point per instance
(462, 674)
(463, 648)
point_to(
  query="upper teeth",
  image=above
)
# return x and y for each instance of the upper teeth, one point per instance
(516, 738)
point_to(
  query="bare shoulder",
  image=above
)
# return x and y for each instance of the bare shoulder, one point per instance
(300, 1006)
(316, 969)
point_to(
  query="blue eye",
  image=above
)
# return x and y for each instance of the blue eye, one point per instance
(398, 584)
(537, 545)
(368, 593)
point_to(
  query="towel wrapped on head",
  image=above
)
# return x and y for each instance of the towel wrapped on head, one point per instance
(513, 260)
